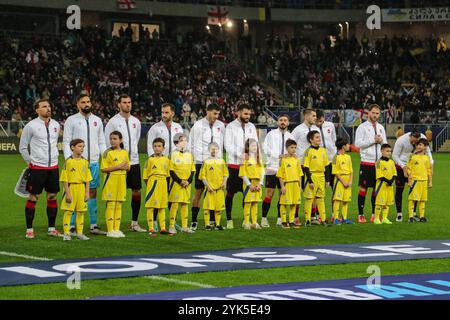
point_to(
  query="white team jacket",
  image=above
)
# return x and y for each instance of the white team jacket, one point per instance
(43, 142)
(272, 146)
(328, 134)
(300, 132)
(235, 138)
(90, 130)
(201, 135)
(365, 141)
(403, 149)
(159, 130)
(131, 134)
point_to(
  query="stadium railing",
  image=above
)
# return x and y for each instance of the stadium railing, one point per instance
(442, 137)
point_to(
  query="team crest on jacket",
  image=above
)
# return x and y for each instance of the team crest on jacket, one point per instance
(95, 123)
(134, 125)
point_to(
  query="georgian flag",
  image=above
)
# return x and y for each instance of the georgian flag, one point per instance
(217, 15)
(126, 4)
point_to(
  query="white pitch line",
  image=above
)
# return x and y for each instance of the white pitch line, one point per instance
(195, 284)
(13, 254)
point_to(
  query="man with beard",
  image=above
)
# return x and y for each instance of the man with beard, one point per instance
(403, 148)
(130, 127)
(40, 135)
(89, 128)
(237, 133)
(274, 147)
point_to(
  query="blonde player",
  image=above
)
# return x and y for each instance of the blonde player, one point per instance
(156, 171)
(115, 163)
(317, 177)
(289, 174)
(419, 179)
(386, 173)
(252, 173)
(342, 188)
(182, 170)
(214, 175)
(76, 177)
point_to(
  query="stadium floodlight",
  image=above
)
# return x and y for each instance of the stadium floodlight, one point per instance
(229, 23)
(245, 20)
(207, 27)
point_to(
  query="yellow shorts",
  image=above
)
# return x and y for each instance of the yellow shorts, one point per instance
(214, 200)
(319, 188)
(340, 193)
(114, 187)
(252, 196)
(179, 194)
(384, 194)
(77, 191)
(156, 194)
(293, 194)
(419, 191)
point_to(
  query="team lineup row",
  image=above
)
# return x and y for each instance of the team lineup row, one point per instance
(244, 166)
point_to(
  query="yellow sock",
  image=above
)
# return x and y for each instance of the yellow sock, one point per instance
(206, 217)
(254, 210)
(421, 209)
(411, 208)
(217, 216)
(247, 213)
(150, 216)
(308, 209)
(110, 207)
(344, 210)
(385, 212)
(283, 209)
(292, 213)
(173, 214)
(336, 206)
(80, 222)
(117, 216)
(184, 215)
(162, 219)
(66, 221)
(321, 208)
(378, 209)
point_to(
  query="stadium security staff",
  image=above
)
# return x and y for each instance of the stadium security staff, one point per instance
(165, 129)
(274, 146)
(130, 128)
(237, 133)
(370, 135)
(89, 128)
(205, 131)
(403, 148)
(41, 136)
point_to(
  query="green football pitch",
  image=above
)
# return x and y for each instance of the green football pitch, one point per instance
(12, 240)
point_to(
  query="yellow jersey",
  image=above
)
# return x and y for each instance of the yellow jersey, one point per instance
(76, 171)
(182, 163)
(419, 167)
(342, 164)
(316, 160)
(252, 170)
(290, 169)
(156, 166)
(112, 158)
(214, 171)
(385, 169)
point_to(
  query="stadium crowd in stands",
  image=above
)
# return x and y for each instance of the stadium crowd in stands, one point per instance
(401, 73)
(192, 74)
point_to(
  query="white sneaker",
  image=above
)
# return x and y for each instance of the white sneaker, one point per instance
(137, 228)
(29, 234)
(112, 234)
(265, 223)
(399, 217)
(54, 233)
(67, 237)
(255, 226)
(246, 226)
(278, 221)
(230, 224)
(187, 230)
(82, 237)
(194, 226)
(172, 230)
(120, 234)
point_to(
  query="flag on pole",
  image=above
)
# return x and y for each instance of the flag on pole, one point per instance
(217, 15)
(126, 4)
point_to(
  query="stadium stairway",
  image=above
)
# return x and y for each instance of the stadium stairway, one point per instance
(445, 147)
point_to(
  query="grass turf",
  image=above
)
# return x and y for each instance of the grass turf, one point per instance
(12, 237)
